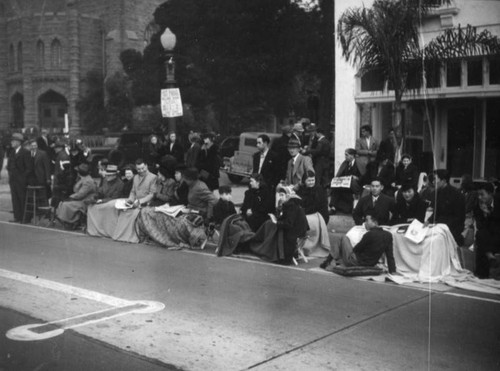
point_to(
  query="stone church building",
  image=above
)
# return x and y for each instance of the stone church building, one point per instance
(48, 46)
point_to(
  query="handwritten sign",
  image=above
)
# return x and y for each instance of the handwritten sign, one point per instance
(341, 182)
(171, 103)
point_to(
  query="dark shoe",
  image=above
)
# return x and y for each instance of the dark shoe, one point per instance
(326, 262)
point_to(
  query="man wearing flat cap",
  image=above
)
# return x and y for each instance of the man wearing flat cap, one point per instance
(342, 199)
(298, 165)
(19, 167)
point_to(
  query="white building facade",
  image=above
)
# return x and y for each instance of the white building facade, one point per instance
(452, 123)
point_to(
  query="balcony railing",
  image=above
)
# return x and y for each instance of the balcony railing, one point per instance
(436, 3)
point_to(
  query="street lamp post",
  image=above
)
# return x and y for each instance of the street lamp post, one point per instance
(168, 41)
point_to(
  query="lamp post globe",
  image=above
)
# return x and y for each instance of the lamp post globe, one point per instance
(168, 41)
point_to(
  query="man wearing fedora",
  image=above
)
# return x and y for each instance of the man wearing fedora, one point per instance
(19, 167)
(298, 165)
(41, 175)
(320, 154)
(110, 188)
(62, 157)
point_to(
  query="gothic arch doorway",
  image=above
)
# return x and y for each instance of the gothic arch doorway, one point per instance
(52, 107)
(17, 109)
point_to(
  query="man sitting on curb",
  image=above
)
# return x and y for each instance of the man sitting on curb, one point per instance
(368, 251)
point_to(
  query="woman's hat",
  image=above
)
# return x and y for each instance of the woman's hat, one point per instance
(298, 127)
(83, 168)
(111, 170)
(167, 173)
(406, 187)
(287, 190)
(312, 127)
(191, 173)
(293, 143)
(18, 136)
(59, 143)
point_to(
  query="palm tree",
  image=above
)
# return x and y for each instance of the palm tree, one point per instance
(386, 37)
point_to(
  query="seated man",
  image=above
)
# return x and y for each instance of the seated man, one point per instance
(376, 203)
(487, 217)
(110, 188)
(369, 250)
(448, 205)
(107, 221)
(409, 206)
(342, 199)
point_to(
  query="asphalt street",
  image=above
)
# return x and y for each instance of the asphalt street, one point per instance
(226, 313)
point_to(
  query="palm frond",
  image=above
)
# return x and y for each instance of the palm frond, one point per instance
(462, 42)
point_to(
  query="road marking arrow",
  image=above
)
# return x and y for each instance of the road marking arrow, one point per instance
(42, 331)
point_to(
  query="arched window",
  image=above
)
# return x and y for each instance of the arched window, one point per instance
(40, 54)
(12, 58)
(20, 56)
(55, 54)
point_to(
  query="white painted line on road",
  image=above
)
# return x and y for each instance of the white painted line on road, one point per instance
(119, 306)
(44, 228)
(66, 289)
(43, 331)
(472, 297)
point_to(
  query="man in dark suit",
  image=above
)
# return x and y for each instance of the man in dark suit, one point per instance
(46, 144)
(320, 154)
(448, 205)
(173, 148)
(265, 162)
(41, 168)
(487, 217)
(376, 203)
(342, 199)
(369, 250)
(280, 147)
(19, 167)
(209, 162)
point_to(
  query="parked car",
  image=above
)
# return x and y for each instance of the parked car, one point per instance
(229, 145)
(240, 165)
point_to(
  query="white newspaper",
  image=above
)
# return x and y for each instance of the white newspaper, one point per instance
(172, 211)
(416, 231)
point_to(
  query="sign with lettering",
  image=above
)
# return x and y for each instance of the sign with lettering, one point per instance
(341, 182)
(171, 103)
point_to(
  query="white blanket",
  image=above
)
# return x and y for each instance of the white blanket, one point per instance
(431, 260)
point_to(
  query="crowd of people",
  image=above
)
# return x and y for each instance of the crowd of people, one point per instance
(172, 196)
